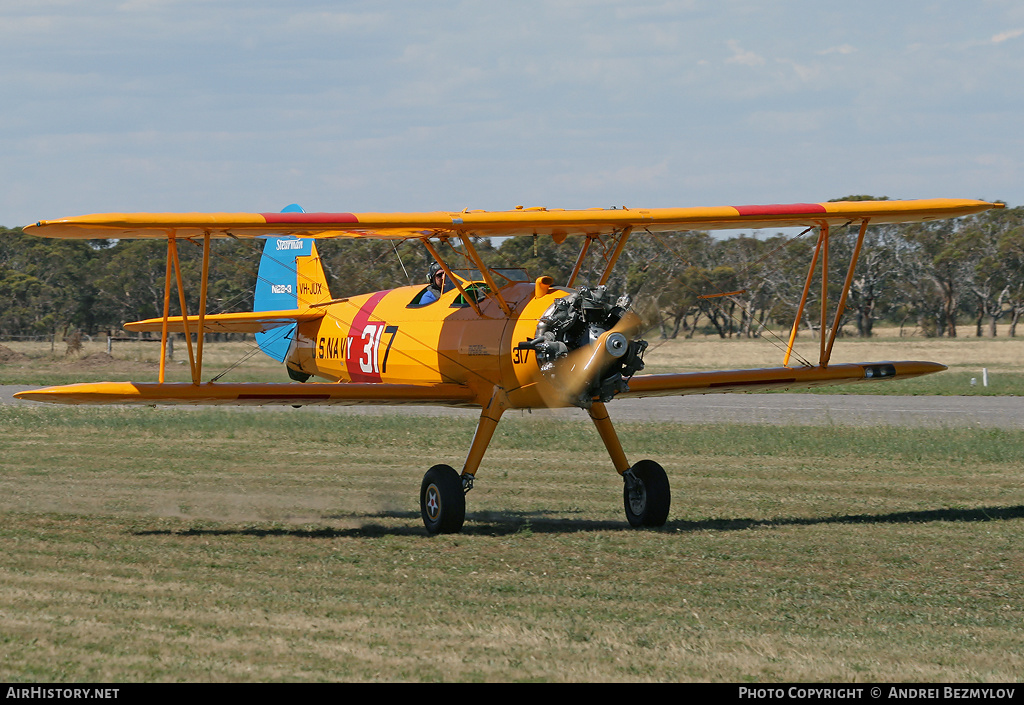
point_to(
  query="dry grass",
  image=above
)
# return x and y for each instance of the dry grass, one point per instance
(36, 363)
(254, 545)
(967, 358)
(706, 352)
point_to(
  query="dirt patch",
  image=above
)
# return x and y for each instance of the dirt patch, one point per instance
(7, 355)
(102, 360)
(98, 359)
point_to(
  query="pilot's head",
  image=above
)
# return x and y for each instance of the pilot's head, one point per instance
(435, 275)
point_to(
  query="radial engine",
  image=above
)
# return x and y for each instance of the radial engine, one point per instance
(584, 345)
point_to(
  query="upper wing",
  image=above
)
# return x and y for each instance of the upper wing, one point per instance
(720, 381)
(523, 221)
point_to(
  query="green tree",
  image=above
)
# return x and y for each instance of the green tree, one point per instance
(51, 282)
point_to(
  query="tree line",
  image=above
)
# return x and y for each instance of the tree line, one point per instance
(937, 278)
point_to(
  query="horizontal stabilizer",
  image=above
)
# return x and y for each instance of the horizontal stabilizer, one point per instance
(722, 381)
(252, 394)
(246, 322)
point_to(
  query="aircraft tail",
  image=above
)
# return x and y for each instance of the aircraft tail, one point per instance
(291, 277)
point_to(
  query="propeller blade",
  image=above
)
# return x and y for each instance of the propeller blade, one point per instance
(577, 370)
(629, 325)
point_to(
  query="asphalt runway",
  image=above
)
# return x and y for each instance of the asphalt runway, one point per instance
(774, 409)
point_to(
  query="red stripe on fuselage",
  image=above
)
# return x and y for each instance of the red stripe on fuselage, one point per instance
(787, 209)
(363, 339)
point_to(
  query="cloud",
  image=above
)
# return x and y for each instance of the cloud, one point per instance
(802, 71)
(188, 104)
(797, 122)
(741, 57)
(626, 178)
(842, 49)
(1005, 36)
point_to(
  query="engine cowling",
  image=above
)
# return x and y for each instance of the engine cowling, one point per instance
(584, 345)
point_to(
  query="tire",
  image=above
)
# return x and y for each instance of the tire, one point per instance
(648, 505)
(442, 501)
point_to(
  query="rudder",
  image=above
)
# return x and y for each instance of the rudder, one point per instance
(291, 276)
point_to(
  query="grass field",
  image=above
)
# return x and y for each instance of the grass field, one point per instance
(286, 545)
(252, 545)
(967, 358)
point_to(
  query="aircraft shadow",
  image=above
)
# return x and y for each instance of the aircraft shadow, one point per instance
(919, 517)
(540, 522)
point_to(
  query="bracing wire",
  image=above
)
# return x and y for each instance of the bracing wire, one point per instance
(773, 338)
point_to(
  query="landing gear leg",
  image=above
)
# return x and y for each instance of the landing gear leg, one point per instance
(443, 491)
(645, 495)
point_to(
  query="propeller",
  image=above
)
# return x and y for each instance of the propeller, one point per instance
(575, 372)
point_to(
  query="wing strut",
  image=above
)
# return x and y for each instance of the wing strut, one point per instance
(579, 260)
(821, 250)
(452, 278)
(825, 231)
(612, 250)
(475, 257)
(201, 335)
(846, 289)
(803, 300)
(167, 311)
(619, 247)
(173, 246)
(195, 358)
(485, 272)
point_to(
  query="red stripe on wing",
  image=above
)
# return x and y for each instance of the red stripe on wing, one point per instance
(782, 209)
(310, 218)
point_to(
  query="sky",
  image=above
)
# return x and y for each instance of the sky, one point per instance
(197, 105)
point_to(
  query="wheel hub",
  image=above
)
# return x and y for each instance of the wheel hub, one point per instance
(637, 493)
(433, 503)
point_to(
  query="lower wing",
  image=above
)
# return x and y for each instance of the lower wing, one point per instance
(252, 394)
(721, 381)
(662, 385)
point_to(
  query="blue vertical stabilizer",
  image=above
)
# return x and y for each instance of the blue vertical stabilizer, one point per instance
(277, 287)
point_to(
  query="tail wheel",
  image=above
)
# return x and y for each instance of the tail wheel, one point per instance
(646, 494)
(442, 500)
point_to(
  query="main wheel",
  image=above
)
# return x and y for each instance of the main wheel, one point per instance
(647, 497)
(442, 501)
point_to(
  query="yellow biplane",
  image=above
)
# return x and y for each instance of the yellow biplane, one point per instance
(484, 338)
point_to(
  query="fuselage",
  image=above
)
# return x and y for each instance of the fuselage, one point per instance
(387, 337)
